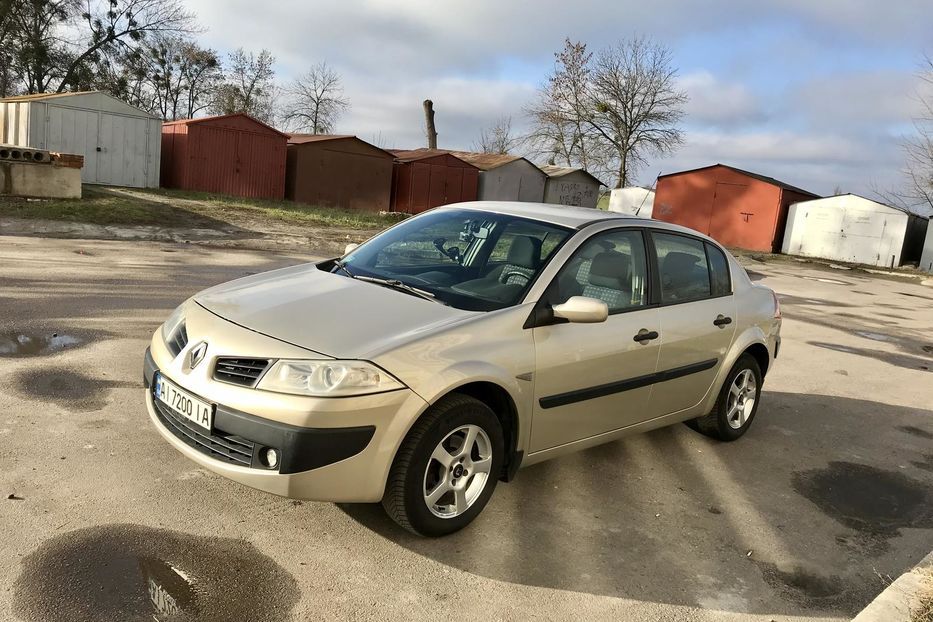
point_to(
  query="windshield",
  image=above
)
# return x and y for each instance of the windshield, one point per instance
(468, 259)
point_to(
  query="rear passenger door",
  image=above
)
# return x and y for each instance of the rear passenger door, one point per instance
(696, 315)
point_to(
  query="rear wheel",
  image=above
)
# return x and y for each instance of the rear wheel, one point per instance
(447, 467)
(737, 403)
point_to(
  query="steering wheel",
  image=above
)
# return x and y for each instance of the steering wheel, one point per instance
(507, 275)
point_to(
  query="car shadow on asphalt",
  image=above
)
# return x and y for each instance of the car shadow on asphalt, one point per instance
(801, 515)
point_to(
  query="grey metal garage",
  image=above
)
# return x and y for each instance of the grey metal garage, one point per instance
(120, 143)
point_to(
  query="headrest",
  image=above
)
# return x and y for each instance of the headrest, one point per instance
(609, 269)
(525, 252)
(677, 264)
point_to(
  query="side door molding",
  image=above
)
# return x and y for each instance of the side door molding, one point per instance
(581, 395)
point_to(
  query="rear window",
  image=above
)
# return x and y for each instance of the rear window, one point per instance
(718, 271)
(683, 268)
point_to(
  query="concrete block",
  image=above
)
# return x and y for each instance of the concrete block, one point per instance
(46, 180)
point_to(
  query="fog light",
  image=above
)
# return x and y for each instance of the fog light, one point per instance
(269, 457)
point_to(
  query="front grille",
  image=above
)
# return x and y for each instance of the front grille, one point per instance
(217, 444)
(244, 372)
(178, 340)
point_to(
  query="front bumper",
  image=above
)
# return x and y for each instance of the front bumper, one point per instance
(238, 437)
(333, 449)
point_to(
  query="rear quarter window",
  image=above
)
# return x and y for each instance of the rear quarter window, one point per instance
(720, 279)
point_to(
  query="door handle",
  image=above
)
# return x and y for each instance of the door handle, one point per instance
(645, 336)
(722, 320)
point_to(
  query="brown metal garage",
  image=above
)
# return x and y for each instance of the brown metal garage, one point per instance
(233, 154)
(426, 178)
(338, 171)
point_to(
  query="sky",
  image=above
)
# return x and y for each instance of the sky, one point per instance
(817, 93)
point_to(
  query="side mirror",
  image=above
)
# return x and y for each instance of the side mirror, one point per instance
(582, 310)
(350, 248)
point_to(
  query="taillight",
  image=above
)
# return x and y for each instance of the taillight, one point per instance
(777, 306)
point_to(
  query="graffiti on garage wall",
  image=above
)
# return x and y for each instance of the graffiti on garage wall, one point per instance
(574, 193)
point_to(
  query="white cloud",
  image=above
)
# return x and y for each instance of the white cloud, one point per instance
(463, 106)
(716, 102)
(814, 161)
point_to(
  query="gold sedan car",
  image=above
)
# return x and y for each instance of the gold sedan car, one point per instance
(442, 355)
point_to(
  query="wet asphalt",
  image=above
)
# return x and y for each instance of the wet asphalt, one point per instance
(808, 516)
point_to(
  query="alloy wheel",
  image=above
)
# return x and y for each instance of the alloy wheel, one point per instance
(742, 396)
(457, 471)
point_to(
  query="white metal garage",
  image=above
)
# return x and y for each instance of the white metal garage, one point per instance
(120, 143)
(634, 200)
(851, 228)
(926, 259)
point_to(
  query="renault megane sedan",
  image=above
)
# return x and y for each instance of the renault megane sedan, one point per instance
(436, 359)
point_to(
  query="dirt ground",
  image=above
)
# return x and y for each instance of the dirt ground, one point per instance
(807, 517)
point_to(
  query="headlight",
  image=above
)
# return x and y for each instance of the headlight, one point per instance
(327, 378)
(175, 320)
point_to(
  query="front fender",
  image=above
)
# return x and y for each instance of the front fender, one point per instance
(448, 380)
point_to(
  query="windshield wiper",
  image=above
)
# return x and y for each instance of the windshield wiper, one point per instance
(342, 266)
(399, 285)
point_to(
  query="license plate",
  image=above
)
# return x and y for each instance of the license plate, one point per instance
(186, 405)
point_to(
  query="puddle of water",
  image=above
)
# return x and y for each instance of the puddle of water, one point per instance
(36, 344)
(866, 498)
(825, 280)
(134, 573)
(867, 334)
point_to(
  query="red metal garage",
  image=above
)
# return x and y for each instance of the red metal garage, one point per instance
(233, 154)
(426, 178)
(737, 208)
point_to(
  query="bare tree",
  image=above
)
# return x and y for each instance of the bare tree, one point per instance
(7, 34)
(249, 86)
(68, 44)
(919, 148)
(115, 25)
(497, 138)
(559, 133)
(38, 53)
(315, 100)
(917, 192)
(613, 108)
(183, 76)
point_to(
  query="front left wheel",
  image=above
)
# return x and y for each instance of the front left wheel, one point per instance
(447, 467)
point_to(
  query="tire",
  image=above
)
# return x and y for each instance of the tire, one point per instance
(417, 472)
(725, 422)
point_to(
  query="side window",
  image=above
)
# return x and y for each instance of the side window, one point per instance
(548, 237)
(611, 267)
(683, 268)
(719, 271)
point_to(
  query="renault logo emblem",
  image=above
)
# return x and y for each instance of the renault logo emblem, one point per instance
(197, 354)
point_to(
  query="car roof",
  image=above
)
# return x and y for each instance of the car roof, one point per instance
(573, 217)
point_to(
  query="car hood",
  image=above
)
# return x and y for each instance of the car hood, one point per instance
(330, 314)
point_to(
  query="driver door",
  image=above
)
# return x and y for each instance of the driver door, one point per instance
(592, 379)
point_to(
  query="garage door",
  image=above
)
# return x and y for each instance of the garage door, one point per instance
(121, 157)
(69, 130)
(115, 147)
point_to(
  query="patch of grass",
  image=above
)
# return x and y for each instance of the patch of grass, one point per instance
(924, 612)
(287, 211)
(96, 207)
